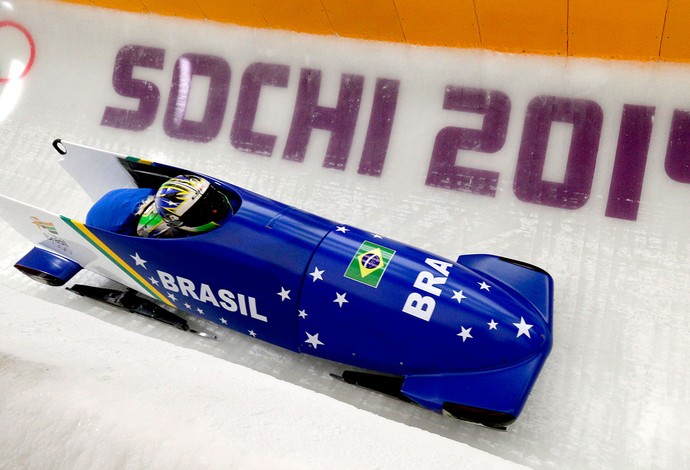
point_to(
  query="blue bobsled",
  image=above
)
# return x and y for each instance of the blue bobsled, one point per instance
(466, 338)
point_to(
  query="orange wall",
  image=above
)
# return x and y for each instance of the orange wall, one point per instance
(618, 29)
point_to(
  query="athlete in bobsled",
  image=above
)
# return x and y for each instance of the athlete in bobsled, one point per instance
(466, 338)
(182, 206)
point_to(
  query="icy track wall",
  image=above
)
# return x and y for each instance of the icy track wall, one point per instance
(579, 166)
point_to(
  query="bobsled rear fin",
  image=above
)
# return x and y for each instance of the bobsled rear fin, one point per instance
(96, 171)
(532, 282)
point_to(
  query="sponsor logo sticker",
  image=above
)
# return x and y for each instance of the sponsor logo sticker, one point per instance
(44, 226)
(369, 264)
(49, 231)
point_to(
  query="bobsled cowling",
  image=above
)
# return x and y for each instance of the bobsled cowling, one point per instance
(458, 335)
(467, 338)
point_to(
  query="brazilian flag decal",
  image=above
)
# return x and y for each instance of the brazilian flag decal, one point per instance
(369, 264)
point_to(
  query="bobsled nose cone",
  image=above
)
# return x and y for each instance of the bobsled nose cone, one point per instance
(529, 285)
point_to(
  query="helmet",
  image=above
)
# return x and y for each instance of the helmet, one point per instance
(191, 203)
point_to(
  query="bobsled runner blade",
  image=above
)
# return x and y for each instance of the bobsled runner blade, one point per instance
(386, 384)
(487, 418)
(133, 303)
(493, 398)
(392, 385)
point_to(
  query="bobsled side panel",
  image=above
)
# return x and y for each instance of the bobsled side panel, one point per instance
(385, 306)
(244, 275)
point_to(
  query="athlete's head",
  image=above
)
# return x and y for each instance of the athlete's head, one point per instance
(191, 203)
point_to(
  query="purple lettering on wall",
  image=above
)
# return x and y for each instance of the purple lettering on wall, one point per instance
(124, 84)
(631, 159)
(340, 121)
(175, 123)
(677, 162)
(586, 117)
(380, 126)
(443, 169)
(242, 135)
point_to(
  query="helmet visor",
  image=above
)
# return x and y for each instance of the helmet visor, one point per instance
(213, 206)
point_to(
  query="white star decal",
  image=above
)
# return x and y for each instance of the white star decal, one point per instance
(172, 297)
(153, 280)
(302, 314)
(342, 229)
(313, 340)
(340, 299)
(484, 286)
(376, 235)
(458, 295)
(284, 294)
(187, 306)
(201, 312)
(493, 325)
(223, 321)
(252, 333)
(317, 274)
(523, 328)
(138, 260)
(465, 333)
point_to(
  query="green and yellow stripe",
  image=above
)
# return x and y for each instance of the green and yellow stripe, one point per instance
(130, 158)
(89, 236)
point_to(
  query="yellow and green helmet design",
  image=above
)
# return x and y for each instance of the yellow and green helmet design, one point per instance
(186, 202)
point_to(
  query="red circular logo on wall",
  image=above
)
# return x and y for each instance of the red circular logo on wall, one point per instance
(15, 38)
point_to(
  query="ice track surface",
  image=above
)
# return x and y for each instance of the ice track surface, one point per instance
(84, 386)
